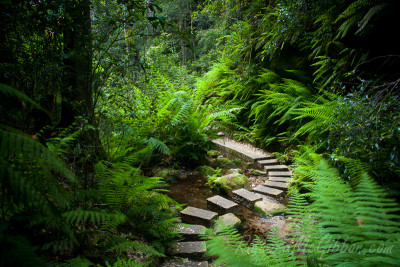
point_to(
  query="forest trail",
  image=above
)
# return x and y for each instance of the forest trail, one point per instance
(223, 210)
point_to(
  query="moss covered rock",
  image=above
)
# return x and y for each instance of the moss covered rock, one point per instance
(223, 163)
(237, 161)
(269, 208)
(169, 175)
(227, 220)
(213, 153)
(227, 183)
(205, 170)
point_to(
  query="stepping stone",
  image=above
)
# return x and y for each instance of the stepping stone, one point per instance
(265, 162)
(277, 185)
(245, 197)
(194, 215)
(222, 205)
(193, 250)
(280, 173)
(227, 220)
(233, 149)
(185, 264)
(279, 179)
(271, 168)
(191, 232)
(272, 192)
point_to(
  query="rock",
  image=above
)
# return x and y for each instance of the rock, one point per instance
(273, 168)
(280, 223)
(277, 185)
(223, 163)
(213, 153)
(268, 208)
(190, 232)
(280, 173)
(265, 162)
(279, 179)
(169, 175)
(194, 215)
(231, 181)
(194, 250)
(233, 149)
(237, 162)
(186, 263)
(222, 205)
(268, 191)
(205, 170)
(245, 198)
(227, 220)
(257, 172)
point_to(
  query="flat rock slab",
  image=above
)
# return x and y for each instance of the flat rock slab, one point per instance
(185, 264)
(194, 215)
(264, 162)
(227, 220)
(269, 207)
(272, 168)
(193, 250)
(233, 149)
(222, 205)
(272, 192)
(277, 185)
(280, 173)
(191, 232)
(245, 198)
(279, 179)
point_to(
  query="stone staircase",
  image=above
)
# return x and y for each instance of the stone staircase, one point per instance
(219, 208)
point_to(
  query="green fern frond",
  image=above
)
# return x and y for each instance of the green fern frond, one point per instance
(10, 91)
(157, 145)
(128, 246)
(96, 217)
(14, 142)
(369, 15)
(78, 262)
(126, 263)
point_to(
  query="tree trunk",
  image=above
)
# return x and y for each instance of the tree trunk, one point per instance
(78, 93)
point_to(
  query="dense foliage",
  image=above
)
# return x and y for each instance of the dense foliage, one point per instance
(95, 95)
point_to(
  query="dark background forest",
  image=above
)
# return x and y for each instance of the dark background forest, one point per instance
(96, 94)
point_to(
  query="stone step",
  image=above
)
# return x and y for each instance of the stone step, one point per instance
(279, 179)
(185, 264)
(193, 250)
(194, 215)
(265, 162)
(232, 149)
(268, 191)
(280, 173)
(273, 168)
(277, 185)
(245, 197)
(222, 205)
(190, 232)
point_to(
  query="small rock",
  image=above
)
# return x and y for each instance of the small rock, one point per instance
(227, 220)
(268, 208)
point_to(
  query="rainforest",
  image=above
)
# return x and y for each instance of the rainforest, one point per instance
(116, 114)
